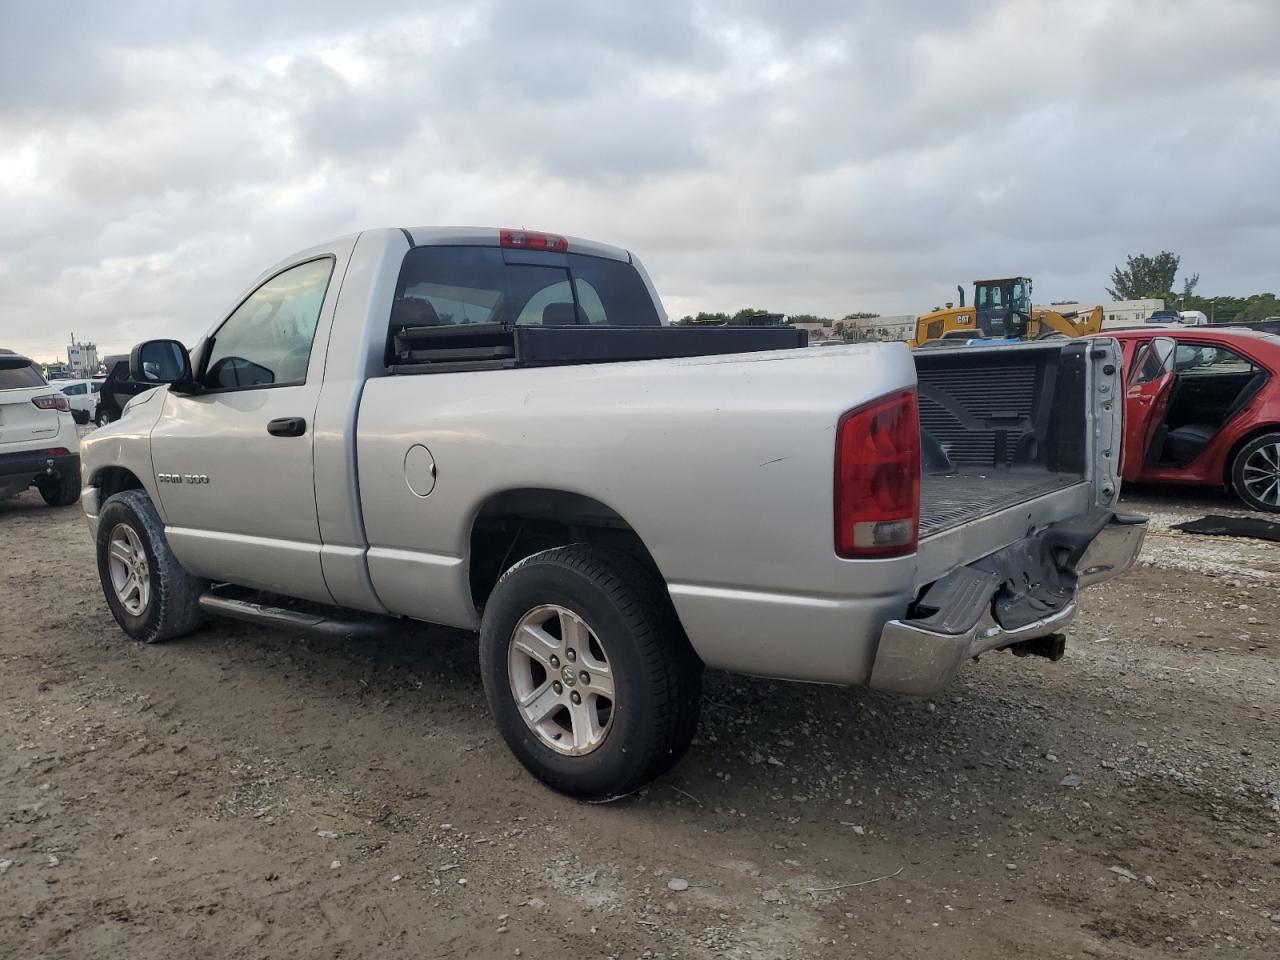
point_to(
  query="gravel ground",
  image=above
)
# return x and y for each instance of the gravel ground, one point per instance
(246, 793)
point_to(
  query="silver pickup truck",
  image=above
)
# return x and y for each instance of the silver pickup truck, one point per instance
(498, 431)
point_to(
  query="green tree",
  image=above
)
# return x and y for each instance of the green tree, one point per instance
(1150, 277)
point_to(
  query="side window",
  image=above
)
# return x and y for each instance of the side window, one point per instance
(1152, 361)
(75, 390)
(1208, 360)
(267, 340)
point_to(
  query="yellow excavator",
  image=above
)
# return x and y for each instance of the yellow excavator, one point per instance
(1002, 310)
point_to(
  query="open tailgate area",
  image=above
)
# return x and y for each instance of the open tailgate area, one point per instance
(1007, 425)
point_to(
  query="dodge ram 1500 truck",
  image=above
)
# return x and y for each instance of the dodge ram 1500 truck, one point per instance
(498, 431)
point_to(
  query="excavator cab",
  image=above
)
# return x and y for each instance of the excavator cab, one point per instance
(1002, 307)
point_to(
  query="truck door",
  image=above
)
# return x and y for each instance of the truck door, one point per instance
(233, 460)
(1151, 381)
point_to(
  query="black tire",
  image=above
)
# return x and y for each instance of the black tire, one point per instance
(60, 491)
(1256, 451)
(173, 608)
(101, 418)
(657, 676)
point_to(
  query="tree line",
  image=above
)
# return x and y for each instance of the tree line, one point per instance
(1155, 277)
(1142, 277)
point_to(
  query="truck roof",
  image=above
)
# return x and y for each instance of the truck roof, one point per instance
(489, 236)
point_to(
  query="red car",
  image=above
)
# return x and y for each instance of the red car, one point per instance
(1202, 406)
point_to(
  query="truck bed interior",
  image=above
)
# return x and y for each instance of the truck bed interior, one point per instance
(1000, 426)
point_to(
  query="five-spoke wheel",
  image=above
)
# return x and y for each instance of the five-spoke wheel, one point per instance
(130, 573)
(559, 674)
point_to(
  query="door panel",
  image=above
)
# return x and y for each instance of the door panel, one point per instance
(1151, 381)
(240, 498)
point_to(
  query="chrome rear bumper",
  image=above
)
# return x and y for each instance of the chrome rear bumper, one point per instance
(918, 658)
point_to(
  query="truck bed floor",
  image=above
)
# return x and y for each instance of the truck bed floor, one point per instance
(947, 501)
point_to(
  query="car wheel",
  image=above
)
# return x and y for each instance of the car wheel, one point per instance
(101, 419)
(60, 491)
(586, 670)
(150, 595)
(1255, 472)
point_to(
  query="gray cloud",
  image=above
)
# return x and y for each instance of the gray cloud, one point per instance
(818, 157)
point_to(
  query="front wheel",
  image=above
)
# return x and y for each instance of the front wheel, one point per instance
(586, 670)
(101, 419)
(150, 595)
(1255, 472)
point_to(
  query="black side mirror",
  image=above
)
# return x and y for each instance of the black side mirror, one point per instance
(160, 361)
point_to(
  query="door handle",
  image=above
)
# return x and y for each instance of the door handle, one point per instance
(287, 427)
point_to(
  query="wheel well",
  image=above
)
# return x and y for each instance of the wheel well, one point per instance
(113, 480)
(1235, 449)
(515, 524)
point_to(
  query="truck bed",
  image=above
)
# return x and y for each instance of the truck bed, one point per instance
(947, 501)
(1006, 424)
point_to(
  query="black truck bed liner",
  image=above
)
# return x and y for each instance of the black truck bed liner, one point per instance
(949, 500)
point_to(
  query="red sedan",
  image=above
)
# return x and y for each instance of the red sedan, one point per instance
(1202, 406)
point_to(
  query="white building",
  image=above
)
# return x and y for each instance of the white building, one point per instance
(1116, 313)
(897, 327)
(82, 357)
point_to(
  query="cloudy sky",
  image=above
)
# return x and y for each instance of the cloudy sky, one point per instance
(803, 157)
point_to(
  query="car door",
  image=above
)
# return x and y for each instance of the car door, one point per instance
(233, 459)
(1151, 380)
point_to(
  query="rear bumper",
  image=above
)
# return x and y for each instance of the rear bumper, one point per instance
(921, 656)
(31, 464)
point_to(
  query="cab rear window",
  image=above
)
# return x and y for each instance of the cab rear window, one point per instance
(441, 286)
(17, 373)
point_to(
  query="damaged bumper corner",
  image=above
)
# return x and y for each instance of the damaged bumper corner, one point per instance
(979, 608)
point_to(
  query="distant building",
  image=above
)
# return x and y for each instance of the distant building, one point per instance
(897, 327)
(82, 358)
(56, 370)
(1116, 313)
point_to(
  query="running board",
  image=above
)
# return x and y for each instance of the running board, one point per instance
(269, 616)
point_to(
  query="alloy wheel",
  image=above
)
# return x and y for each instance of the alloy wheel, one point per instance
(130, 572)
(1262, 474)
(561, 679)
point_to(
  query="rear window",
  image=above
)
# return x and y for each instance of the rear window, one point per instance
(465, 285)
(17, 373)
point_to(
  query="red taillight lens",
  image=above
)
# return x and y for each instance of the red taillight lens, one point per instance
(531, 240)
(877, 502)
(54, 401)
(57, 451)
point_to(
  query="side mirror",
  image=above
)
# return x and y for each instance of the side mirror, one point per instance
(160, 361)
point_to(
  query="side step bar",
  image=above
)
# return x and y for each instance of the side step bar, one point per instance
(296, 620)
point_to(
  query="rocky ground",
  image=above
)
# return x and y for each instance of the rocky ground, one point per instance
(245, 793)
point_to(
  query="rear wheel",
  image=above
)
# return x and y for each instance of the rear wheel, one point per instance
(101, 418)
(60, 491)
(150, 595)
(1255, 472)
(587, 672)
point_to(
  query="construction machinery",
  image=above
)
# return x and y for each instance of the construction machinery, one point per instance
(1002, 310)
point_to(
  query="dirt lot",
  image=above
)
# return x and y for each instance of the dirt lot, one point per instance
(244, 793)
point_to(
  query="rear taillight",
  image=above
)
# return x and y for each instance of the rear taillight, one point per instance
(57, 451)
(877, 495)
(54, 401)
(532, 240)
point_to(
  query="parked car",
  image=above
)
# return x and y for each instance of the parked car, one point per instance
(116, 390)
(497, 430)
(83, 395)
(1202, 406)
(39, 444)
